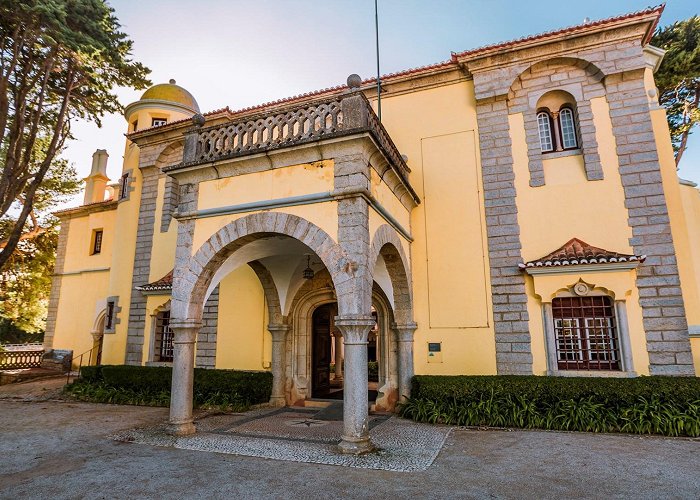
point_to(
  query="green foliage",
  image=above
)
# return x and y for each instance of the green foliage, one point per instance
(644, 405)
(25, 284)
(678, 78)
(59, 61)
(150, 386)
(373, 371)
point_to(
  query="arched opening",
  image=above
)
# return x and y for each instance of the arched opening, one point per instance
(557, 122)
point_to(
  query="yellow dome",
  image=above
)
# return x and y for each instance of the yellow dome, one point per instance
(172, 93)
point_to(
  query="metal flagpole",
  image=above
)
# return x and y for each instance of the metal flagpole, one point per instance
(379, 82)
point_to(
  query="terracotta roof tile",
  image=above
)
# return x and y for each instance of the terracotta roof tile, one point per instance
(576, 252)
(86, 205)
(561, 31)
(164, 283)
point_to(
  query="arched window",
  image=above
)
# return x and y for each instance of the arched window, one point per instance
(544, 125)
(567, 128)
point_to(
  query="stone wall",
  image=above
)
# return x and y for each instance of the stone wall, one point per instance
(56, 284)
(510, 316)
(206, 339)
(658, 282)
(142, 265)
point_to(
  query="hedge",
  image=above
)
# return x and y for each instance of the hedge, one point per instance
(150, 385)
(643, 405)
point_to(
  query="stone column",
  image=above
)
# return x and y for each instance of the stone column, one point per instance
(355, 438)
(185, 334)
(404, 336)
(338, 361)
(279, 337)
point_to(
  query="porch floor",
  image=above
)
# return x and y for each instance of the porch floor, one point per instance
(304, 434)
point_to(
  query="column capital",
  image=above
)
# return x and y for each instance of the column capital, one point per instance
(185, 331)
(278, 331)
(404, 331)
(97, 335)
(354, 328)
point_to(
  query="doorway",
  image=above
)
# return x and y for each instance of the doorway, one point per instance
(321, 349)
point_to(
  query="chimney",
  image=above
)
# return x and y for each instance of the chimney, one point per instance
(96, 182)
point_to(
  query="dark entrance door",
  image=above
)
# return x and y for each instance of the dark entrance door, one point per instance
(321, 347)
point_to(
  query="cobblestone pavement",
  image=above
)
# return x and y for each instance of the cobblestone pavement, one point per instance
(299, 435)
(61, 450)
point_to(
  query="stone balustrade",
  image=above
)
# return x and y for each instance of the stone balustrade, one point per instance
(335, 116)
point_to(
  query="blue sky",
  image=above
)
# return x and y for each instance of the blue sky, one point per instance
(240, 53)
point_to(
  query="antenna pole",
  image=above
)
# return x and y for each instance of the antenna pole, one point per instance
(379, 82)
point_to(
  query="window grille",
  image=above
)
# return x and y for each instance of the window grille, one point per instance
(97, 243)
(586, 333)
(124, 186)
(545, 130)
(109, 324)
(568, 129)
(164, 337)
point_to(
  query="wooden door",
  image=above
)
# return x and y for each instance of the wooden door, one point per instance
(321, 348)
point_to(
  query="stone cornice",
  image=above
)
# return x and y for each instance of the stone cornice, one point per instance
(100, 206)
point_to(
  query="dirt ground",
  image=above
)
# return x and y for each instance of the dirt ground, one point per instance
(59, 449)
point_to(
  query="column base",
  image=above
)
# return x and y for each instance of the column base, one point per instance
(354, 446)
(278, 401)
(183, 429)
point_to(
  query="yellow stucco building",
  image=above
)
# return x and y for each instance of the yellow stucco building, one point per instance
(516, 211)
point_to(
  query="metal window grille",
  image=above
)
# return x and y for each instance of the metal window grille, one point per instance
(544, 127)
(586, 333)
(110, 316)
(124, 186)
(97, 245)
(568, 130)
(164, 337)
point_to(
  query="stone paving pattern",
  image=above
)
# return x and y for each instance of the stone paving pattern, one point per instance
(296, 435)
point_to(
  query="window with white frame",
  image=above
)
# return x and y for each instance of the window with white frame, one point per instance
(567, 128)
(586, 336)
(544, 125)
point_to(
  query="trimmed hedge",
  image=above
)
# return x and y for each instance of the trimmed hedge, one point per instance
(150, 385)
(643, 405)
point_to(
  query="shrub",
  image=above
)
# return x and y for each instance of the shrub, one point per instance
(150, 385)
(644, 405)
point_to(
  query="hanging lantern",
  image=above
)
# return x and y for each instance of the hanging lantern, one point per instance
(308, 272)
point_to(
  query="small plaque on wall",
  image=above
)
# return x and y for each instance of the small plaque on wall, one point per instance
(434, 352)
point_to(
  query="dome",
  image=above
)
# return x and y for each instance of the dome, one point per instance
(171, 93)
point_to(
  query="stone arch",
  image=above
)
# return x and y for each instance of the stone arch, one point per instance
(313, 294)
(170, 154)
(578, 77)
(272, 297)
(387, 244)
(192, 277)
(593, 72)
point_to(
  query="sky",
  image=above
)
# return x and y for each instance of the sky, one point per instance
(241, 53)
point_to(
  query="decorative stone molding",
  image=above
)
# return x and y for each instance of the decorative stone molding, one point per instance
(111, 326)
(126, 189)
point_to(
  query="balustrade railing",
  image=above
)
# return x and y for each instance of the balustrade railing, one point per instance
(336, 116)
(18, 359)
